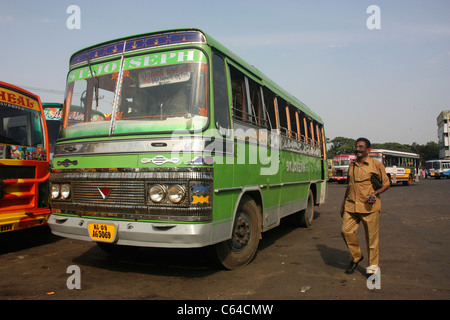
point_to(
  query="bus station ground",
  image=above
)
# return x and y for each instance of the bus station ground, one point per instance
(291, 263)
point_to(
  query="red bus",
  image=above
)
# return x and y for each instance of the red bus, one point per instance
(340, 167)
(24, 160)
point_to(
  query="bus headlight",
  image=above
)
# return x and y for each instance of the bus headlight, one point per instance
(55, 191)
(176, 193)
(157, 193)
(65, 191)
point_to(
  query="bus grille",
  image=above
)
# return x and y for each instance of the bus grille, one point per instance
(122, 193)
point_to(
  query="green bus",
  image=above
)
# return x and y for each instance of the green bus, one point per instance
(168, 139)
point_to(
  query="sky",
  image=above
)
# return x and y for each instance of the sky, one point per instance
(387, 84)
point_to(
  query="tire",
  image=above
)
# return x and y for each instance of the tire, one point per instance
(241, 248)
(409, 182)
(305, 217)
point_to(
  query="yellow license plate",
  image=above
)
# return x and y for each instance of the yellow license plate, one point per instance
(6, 227)
(102, 232)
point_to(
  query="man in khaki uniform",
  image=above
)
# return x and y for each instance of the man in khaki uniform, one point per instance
(362, 203)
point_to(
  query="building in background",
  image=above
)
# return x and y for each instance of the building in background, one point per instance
(443, 134)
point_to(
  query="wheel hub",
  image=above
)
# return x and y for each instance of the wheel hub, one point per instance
(242, 232)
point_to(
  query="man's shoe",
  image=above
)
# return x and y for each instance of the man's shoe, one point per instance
(372, 269)
(352, 266)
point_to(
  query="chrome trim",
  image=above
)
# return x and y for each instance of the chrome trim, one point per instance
(275, 185)
(160, 160)
(228, 189)
(133, 146)
(177, 143)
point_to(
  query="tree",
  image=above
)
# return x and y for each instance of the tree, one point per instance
(341, 145)
(429, 151)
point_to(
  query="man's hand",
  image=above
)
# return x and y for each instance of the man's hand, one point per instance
(372, 198)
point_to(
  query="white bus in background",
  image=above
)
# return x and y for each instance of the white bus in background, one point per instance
(400, 166)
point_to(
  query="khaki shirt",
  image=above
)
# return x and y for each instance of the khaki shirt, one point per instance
(360, 186)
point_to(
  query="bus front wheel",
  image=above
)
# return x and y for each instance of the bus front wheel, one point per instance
(241, 248)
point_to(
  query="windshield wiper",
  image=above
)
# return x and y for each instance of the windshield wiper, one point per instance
(95, 83)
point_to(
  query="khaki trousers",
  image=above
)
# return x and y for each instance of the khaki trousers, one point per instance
(350, 224)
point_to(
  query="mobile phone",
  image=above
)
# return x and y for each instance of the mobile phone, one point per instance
(372, 199)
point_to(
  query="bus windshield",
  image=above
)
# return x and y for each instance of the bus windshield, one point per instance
(21, 126)
(342, 160)
(433, 165)
(154, 96)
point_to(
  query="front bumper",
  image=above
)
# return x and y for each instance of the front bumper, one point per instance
(141, 234)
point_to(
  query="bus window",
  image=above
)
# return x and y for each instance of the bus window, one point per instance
(221, 111)
(288, 121)
(319, 139)
(297, 124)
(311, 128)
(305, 124)
(301, 125)
(324, 145)
(282, 104)
(294, 129)
(238, 95)
(247, 101)
(22, 128)
(309, 131)
(270, 103)
(256, 104)
(317, 135)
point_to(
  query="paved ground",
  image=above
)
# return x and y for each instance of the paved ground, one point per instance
(291, 263)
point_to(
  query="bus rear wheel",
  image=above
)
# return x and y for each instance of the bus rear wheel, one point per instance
(241, 248)
(305, 217)
(409, 181)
